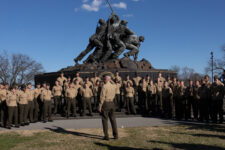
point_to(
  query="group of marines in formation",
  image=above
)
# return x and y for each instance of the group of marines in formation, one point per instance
(199, 100)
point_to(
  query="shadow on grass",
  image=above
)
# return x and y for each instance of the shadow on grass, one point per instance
(63, 131)
(208, 127)
(186, 146)
(109, 147)
(194, 125)
(202, 135)
(209, 135)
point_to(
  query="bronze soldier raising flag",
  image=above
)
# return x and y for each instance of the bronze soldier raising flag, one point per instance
(110, 40)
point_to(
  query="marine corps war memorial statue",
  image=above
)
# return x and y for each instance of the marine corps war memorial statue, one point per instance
(114, 47)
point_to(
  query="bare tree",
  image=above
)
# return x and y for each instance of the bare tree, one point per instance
(175, 68)
(218, 64)
(18, 68)
(196, 76)
(186, 73)
(4, 67)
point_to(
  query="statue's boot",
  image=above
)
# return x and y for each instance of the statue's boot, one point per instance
(88, 59)
(76, 61)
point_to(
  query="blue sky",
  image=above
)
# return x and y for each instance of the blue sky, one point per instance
(53, 32)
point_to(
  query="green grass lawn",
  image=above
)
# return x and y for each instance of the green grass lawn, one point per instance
(201, 137)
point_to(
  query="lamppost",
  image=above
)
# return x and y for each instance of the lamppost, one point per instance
(212, 64)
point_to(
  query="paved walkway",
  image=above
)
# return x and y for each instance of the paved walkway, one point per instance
(97, 123)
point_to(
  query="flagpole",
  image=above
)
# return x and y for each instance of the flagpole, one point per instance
(109, 5)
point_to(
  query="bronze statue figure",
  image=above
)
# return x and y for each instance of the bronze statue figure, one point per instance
(95, 40)
(110, 40)
(133, 43)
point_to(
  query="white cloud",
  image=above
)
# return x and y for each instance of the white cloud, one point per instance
(120, 5)
(94, 6)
